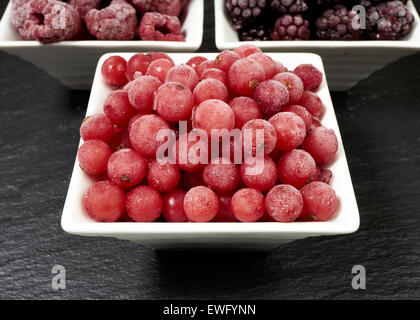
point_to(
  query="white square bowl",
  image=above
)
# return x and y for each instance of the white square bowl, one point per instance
(74, 62)
(346, 62)
(243, 236)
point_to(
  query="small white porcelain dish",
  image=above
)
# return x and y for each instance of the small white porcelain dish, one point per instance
(74, 62)
(346, 62)
(243, 236)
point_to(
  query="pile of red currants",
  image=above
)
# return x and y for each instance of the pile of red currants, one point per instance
(281, 177)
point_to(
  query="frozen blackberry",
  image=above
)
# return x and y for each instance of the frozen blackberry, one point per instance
(259, 32)
(291, 27)
(338, 23)
(288, 6)
(369, 3)
(329, 2)
(245, 12)
(388, 21)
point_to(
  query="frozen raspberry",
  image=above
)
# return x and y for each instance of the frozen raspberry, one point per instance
(245, 109)
(191, 152)
(297, 167)
(319, 201)
(291, 27)
(290, 128)
(245, 75)
(93, 156)
(118, 21)
(142, 6)
(96, 126)
(173, 206)
(138, 63)
(174, 102)
(144, 204)
(272, 96)
(83, 6)
(225, 59)
(310, 76)
(143, 134)
(113, 71)
(169, 7)
(159, 27)
(210, 89)
(284, 203)
(22, 12)
(120, 140)
(301, 112)
(213, 114)
(267, 63)
(141, 92)
(201, 204)
(221, 175)
(293, 83)
(311, 102)
(216, 74)
(260, 176)
(225, 213)
(163, 176)
(322, 144)
(59, 21)
(159, 68)
(118, 109)
(183, 74)
(263, 142)
(246, 50)
(247, 205)
(104, 202)
(194, 62)
(126, 168)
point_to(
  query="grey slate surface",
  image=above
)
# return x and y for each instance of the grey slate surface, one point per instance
(380, 125)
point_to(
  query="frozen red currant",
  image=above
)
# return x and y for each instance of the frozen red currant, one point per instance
(163, 176)
(245, 109)
(141, 92)
(260, 175)
(203, 67)
(310, 75)
(290, 129)
(301, 112)
(225, 212)
(96, 126)
(258, 136)
(319, 201)
(213, 114)
(118, 108)
(120, 140)
(159, 55)
(104, 201)
(201, 204)
(225, 59)
(270, 67)
(214, 73)
(284, 203)
(324, 175)
(272, 96)
(280, 67)
(246, 50)
(126, 168)
(159, 68)
(173, 206)
(210, 89)
(194, 62)
(144, 132)
(221, 175)
(174, 101)
(247, 205)
(144, 204)
(191, 152)
(296, 167)
(93, 156)
(321, 143)
(192, 179)
(293, 83)
(113, 71)
(311, 102)
(138, 63)
(245, 75)
(183, 74)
